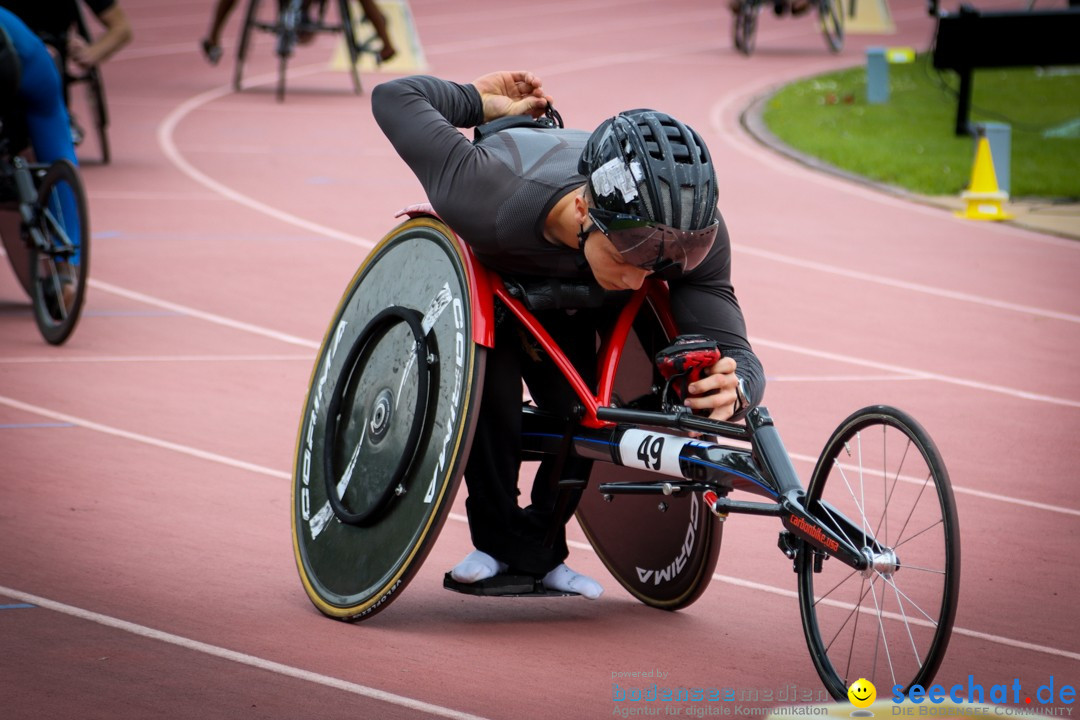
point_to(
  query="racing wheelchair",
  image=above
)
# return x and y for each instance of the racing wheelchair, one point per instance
(45, 228)
(289, 23)
(392, 404)
(830, 16)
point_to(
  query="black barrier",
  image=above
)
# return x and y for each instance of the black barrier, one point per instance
(971, 39)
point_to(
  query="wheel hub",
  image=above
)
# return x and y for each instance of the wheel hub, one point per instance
(886, 563)
(382, 411)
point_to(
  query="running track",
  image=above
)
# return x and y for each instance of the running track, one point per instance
(144, 491)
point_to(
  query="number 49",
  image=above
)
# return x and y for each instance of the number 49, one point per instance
(649, 450)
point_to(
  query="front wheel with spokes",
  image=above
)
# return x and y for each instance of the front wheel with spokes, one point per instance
(59, 237)
(890, 623)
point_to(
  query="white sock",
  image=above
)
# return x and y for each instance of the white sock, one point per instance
(477, 566)
(564, 579)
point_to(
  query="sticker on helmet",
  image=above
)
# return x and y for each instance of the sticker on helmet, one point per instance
(616, 174)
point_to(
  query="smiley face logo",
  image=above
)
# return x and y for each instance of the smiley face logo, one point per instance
(862, 693)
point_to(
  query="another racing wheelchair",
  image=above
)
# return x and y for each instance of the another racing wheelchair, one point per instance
(830, 16)
(290, 23)
(45, 229)
(390, 412)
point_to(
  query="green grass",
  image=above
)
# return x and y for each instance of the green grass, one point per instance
(910, 142)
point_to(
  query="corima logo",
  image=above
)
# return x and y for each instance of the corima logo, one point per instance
(668, 573)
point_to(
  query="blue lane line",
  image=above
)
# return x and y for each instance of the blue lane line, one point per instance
(17, 606)
(23, 426)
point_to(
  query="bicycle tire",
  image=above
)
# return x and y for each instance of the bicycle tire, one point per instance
(919, 616)
(352, 571)
(354, 46)
(745, 26)
(831, 17)
(57, 312)
(668, 562)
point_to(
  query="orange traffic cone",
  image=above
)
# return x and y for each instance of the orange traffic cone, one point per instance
(983, 196)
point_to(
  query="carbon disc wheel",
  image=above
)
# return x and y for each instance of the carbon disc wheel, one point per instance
(669, 558)
(387, 436)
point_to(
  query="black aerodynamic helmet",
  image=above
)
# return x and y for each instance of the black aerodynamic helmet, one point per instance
(653, 188)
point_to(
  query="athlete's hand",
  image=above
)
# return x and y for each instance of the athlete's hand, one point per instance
(80, 55)
(717, 391)
(511, 93)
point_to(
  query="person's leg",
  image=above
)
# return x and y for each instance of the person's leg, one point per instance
(211, 44)
(576, 335)
(499, 527)
(378, 21)
(506, 535)
(46, 116)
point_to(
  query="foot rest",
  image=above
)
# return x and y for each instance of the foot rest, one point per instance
(504, 586)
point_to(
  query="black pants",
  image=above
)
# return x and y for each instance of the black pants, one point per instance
(500, 526)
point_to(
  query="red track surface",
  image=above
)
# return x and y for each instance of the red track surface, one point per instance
(144, 492)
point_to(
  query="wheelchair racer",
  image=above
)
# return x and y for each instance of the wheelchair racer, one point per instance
(634, 198)
(56, 21)
(31, 96)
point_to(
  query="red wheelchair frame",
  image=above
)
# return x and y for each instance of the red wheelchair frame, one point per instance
(356, 420)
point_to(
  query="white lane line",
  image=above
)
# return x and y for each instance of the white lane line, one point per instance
(909, 372)
(231, 462)
(922, 374)
(784, 592)
(960, 490)
(270, 472)
(904, 285)
(34, 360)
(239, 657)
(202, 315)
(996, 639)
(145, 439)
(842, 378)
(165, 141)
(128, 195)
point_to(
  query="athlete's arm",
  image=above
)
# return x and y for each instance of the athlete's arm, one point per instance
(703, 302)
(117, 34)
